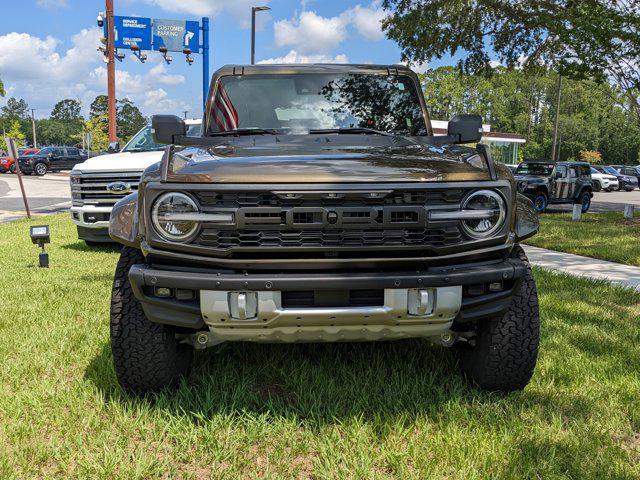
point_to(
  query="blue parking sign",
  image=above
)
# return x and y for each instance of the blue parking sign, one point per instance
(176, 35)
(131, 31)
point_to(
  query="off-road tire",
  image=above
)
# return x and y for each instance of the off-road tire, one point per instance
(146, 355)
(540, 202)
(12, 168)
(506, 347)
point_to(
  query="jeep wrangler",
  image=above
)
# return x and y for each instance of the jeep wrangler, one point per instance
(554, 183)
(318, 206)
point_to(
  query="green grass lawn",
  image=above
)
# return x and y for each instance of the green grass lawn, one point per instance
(607, 236)
(385, 410)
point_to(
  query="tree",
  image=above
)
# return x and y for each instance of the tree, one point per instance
(67, 110)
(99, 106)
(2, 91)
(97, 127)
(14, 132)
(15, 109)
(129, 118)
(579, 39)
(590, 156)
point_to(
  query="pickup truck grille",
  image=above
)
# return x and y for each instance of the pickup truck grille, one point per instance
(91, 188)
(329, 221)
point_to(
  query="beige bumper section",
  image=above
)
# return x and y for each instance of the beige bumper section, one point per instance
(260, 317)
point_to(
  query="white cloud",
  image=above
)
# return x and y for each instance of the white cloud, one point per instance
(52, 4)
(310, 32)
(366, 21)
(295, 57)
(416, 67)
(50, 75)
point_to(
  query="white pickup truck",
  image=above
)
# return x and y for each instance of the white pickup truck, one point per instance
(99, 182)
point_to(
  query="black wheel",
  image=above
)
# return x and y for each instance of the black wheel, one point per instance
(596, 186)
(540, 202)
(504, 351)
(585, 201)
(40, 169)
(12, 168)
(147, 355)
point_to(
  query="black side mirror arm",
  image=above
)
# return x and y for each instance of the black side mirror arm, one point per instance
(491, 165)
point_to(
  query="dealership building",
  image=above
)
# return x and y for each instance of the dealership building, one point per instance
(504, 146)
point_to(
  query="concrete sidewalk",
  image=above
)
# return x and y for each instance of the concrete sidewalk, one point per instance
(616, 273)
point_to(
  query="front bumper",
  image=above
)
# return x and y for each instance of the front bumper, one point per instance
(458, 294)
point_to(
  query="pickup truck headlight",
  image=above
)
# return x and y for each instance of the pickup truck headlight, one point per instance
(491, 213)
(174, 216)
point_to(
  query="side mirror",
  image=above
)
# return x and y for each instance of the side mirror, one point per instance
(114, 147)
(467, 128)
(166, 128)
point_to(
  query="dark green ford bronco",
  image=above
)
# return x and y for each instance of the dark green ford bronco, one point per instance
(318, 206)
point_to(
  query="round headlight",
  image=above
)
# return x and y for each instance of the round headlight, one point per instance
(170, 216)
(491, 213)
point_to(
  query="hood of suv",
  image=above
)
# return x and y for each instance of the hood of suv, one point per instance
(305, 164)
(119, 162)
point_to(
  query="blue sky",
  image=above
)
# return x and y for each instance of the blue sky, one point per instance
(48, 47)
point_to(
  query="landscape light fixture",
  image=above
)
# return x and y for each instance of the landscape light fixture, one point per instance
(167, 58)
(136, 51)
(40, 236)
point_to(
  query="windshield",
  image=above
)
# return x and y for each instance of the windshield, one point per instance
(143, 140)
(298, 103)
(611, 170)
(535, 169)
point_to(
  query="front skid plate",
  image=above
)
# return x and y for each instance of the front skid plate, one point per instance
(273, 323)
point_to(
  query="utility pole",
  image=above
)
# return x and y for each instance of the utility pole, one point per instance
(111, 73)
(555, 127)
(185, 114)
(33, 126)
(253, 31)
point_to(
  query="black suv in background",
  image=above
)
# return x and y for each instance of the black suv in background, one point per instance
(548, 183)
(629, 171)
(51, 159)
(625, 182)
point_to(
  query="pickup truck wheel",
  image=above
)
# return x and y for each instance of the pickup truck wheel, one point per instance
(506, 347)
(147, 355)
(540, 201)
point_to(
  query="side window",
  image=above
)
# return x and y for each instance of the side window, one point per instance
(573, 171)
(561, 171)
(58, 152)
(585, 171)
(73, 151)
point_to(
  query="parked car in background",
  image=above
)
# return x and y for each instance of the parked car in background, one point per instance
(513, 167)
(625, 182)
(7, 164)
(603, 181)
(99, 182)
(51, 159)
(628, 170)
(563, 182)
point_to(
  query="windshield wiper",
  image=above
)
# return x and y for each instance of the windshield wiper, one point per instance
(246, 131)
(363, 130)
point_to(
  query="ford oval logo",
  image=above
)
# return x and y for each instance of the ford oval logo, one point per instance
(119, 188)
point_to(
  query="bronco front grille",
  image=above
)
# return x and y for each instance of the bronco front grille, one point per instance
(428, 237)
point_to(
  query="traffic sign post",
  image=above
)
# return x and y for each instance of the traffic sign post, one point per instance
(13, 153)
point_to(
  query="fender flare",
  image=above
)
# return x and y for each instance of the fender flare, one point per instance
(123, 222)
(527, 221)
